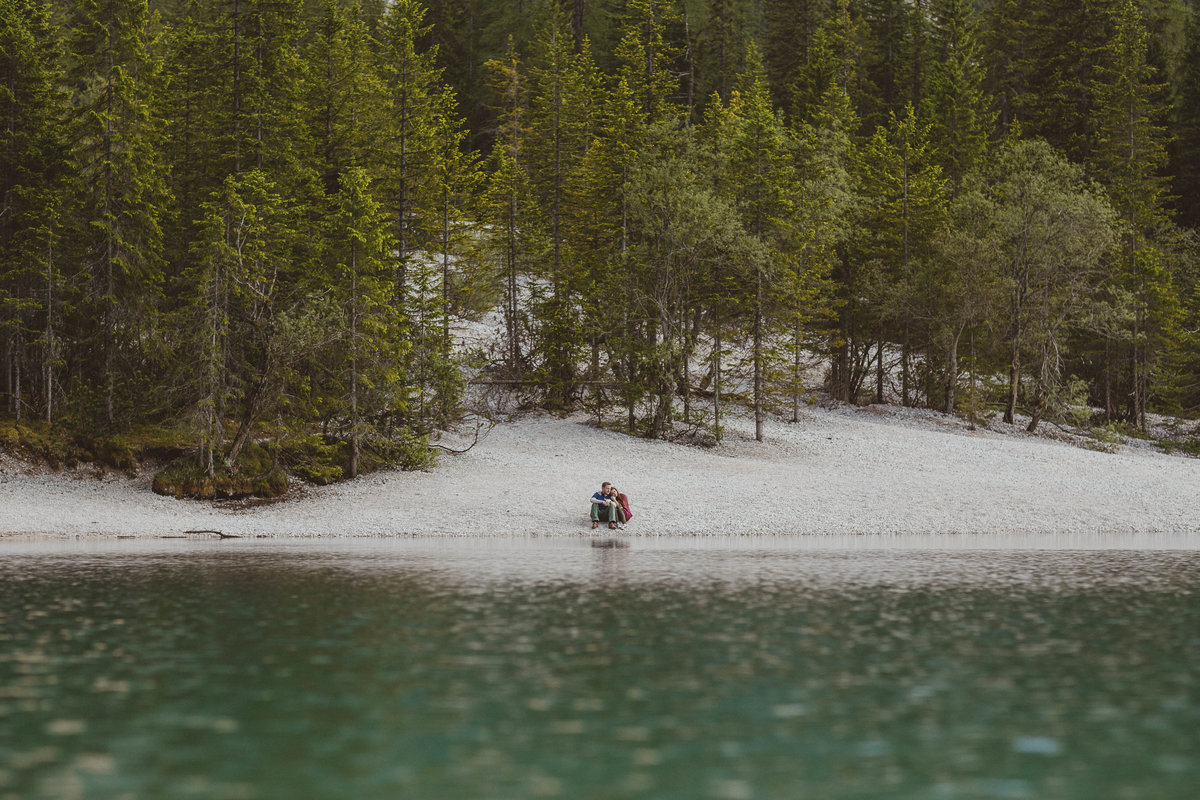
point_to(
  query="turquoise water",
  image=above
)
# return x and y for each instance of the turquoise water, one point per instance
(919, 667)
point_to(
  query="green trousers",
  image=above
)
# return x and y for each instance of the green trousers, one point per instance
(599, 511)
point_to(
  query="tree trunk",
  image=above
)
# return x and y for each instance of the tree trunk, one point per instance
(1108, 404)
(7, 368)
(717, 383)
(250, 414)
(796, 338)
(879, 368)
(1038, 404)
(952, 372)
(354, 421)
(758, 355)
(974, 398)
(51, 343)
(577, 13)
(1014, 381)
(20, 348)
(686, 388)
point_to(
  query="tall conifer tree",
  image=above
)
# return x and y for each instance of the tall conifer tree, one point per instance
(958, 109)
(1129, 157)
(121, 188)
(32, 170)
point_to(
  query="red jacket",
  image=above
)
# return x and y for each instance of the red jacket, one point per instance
(624, 500)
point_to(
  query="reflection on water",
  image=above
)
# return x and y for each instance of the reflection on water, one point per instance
(963, 668)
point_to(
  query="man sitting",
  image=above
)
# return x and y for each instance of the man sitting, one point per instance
(604, 505)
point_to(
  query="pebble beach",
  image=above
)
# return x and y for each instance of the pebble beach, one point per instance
(838, 471)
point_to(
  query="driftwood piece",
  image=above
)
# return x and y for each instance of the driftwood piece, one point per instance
(215, 533)
(451, 450)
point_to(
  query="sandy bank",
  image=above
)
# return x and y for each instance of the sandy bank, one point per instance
(840, 471)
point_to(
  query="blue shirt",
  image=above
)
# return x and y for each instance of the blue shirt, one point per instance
(599, 497)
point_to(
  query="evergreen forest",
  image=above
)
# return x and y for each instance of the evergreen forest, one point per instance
(248, 230)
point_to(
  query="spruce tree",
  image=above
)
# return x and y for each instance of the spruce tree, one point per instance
(1059, 50)
(561, 99)
(788, 45)
(359, 252)
(120, 189)
(1129, 158)
(347, 99)
(648, 58)
(908, 203)
(955, 103)
(508, 206)
(1185, 150)
(762, 179)
(32, 171)
(832, 123)
(410, 154)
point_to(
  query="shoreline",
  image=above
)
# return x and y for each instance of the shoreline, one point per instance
(844, 471)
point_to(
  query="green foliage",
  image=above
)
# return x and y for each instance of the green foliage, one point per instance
(1130, 122)
(1189, 447)
(955, 101)
(1185, 119)
(62, 446)
(261, 220)
(257, 474)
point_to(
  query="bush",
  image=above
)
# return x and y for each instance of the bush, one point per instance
(1189, 447)
(256, 475)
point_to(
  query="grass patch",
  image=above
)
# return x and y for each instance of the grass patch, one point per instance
(60, 448)
(1190, 447)
(260, 472)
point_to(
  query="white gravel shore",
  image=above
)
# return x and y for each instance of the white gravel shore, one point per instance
(840, 471)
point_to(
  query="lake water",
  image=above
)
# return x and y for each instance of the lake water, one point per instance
(856, 667)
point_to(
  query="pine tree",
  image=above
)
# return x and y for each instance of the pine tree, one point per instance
(1053, 227)
(760, 159)
(648, 59)
(788, 45)
(458, 176)
(361, 283)
(1129, 158)
(955, 102)
(832, 129)
(410, 151)
(679, 228)
(1185, 150)
(508, 203)
(242, 258)
(909, 196)
(32, 171)
(120, 184)
(558, 137)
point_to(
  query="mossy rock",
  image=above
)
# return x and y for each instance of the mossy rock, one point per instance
(110, 452)
(184, 478)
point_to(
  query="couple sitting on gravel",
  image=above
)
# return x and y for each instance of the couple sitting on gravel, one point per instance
(610, 504)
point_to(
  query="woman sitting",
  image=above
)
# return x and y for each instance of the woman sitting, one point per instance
(622, 503)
